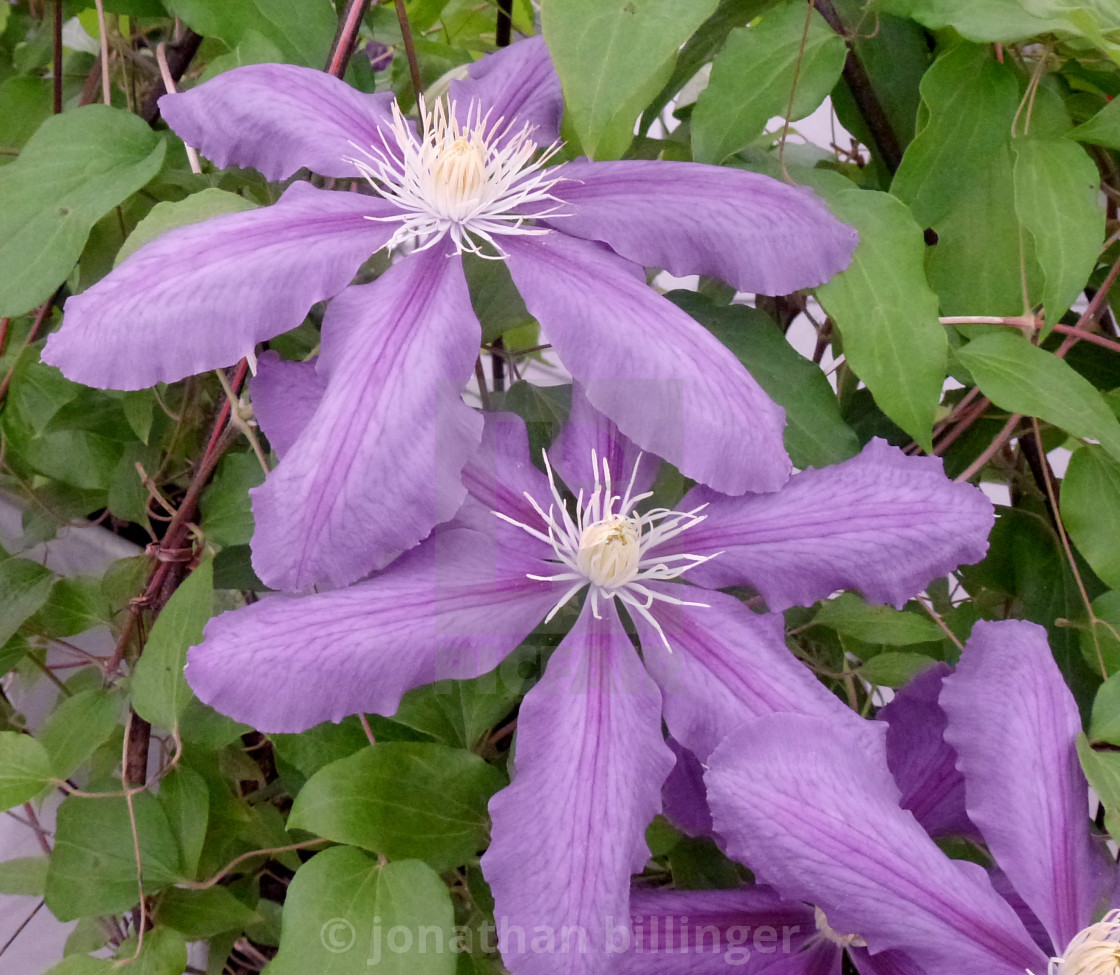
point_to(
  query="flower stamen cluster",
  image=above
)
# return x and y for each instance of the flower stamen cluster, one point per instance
(1093, 951)
(608, 545)
(472, 181)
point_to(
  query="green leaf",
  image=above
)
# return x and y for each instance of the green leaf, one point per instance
(753, 76)
(1056, 187)
(460, 712)
(164, 952)
(79, 726)
(1100, 640)
(74, 170)
(1102, 769)
(93, 867)
(226, 515)
(1090, 501)
(160, 692)
(24, 876)
(815, 434)
(849, 615)
(403, 799)
(494, 297)
(1105, 722)
(81, 965)
(613, 56)
(186, 803)
(346, 915)
(201, 914)
(24, 587)
(956, 176)
(1022, 378)
(24, 105)
(301, 31)
(893, 669)
(1103, 129)
(167, 216)
(992, 20)
(886, 311)
(76, 604)
(25, 769)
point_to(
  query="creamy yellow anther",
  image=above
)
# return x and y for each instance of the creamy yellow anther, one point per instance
(1094, 951)
(609, 552)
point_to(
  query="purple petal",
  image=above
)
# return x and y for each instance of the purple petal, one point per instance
(452, 608)
(588, 430)
(923, 764)
(277, 118)
(727, 665)
(517, 84)
(285, 396)
(498, 476)
(667, 383)
(811, 807)
(684, 800)
(749, 230)
(884, 963)
(1014, 726)
(715, 931)
(203, 296)
(882, 523)
(379, 463)
(569, 831)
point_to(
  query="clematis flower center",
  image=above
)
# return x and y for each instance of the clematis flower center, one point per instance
(825, 930)
(469, 181)
(608, 545)
(609, 552)
(1094, 951)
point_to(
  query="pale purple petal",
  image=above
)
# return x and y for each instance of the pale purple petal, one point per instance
(884, 963)
(517, 85)
(451, 608)
(811, 807)
(277, 118)
(751, 931)
(684, 800)
(1014, 726)
(922, 762)
(570, 829)
(588, 430)
(667, 383)
(1030, 920)
(498, 476)
(285, 395)
(203, 296)
(754, 232)
(882, 523)
(727, 665)
(378, 465)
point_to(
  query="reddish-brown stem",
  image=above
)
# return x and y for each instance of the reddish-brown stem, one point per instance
(409, 49)
(504, 31)
(963, 422)
(57, 79)
(41, 316)
(990, 451)
(1090, 313)
(349, 23)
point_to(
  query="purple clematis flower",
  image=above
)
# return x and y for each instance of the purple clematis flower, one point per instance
(378, 464)
(814, 809)
(590, 754)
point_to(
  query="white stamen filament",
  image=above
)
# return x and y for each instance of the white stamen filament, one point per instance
(825, 930)
(606, 545)
(1094, 951)
(460, 180)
